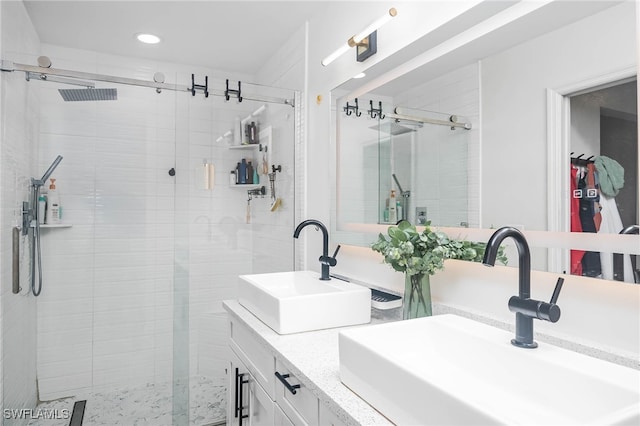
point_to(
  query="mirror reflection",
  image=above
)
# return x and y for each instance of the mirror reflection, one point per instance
(500, 83)
(604, 175)
(412, 164)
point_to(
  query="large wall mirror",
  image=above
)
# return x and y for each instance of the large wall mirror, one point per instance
(466, 141)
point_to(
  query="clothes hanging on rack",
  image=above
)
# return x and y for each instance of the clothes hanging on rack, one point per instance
(612, 224)
(611, 175)
(589, 217)
(594, 209)
(576, 226)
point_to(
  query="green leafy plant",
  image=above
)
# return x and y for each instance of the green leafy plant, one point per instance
(413, 252)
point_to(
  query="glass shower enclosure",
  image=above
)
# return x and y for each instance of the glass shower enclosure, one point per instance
(153, 236)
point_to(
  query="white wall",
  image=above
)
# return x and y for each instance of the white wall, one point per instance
(19, 108)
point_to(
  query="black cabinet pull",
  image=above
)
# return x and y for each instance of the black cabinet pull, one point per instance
(240, 407)
(237, 409)
(283, 378)
(238, 403)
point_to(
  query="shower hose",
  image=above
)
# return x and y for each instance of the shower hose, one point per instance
(35, 246)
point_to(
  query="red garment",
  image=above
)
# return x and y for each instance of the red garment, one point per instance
(576, 226)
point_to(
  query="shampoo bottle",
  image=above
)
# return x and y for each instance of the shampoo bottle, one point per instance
(42, 208)
(393, 212)
(54, 212)
(242, 175)
(250, 173)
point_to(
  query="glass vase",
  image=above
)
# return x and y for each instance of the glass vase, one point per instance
(417, 296)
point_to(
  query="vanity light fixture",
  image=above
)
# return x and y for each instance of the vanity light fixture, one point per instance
(365, 41)
(148, 38)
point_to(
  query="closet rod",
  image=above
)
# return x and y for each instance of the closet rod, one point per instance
(11, 66)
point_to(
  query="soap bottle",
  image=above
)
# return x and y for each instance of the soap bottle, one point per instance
(54, 210)
(253, 133)
(237, 173)
(232, 177)
(393, 212)
(385, 214)
(256, 178)
(399, 210)
(42, 208)
(242, 175)
(250, 173)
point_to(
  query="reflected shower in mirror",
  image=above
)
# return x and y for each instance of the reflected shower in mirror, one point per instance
(413, 163)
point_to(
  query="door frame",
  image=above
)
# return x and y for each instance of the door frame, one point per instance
(558, 150)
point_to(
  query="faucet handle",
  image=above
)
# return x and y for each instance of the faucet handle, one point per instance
(330, 260)
(556, 291)
(550, 311)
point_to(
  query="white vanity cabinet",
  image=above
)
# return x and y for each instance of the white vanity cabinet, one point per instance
(248, 403)
(310, 363)
(294, 398)
(262, 391)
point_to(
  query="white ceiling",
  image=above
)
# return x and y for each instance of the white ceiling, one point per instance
(225, 35)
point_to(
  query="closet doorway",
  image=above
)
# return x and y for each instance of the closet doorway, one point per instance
(603, 141)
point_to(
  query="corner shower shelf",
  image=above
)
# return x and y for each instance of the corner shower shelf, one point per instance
(248, 146)
(246, 186)
(57, 225)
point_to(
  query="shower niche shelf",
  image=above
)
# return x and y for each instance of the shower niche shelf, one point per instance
(57, 225)
(247, 146)
(246, 186)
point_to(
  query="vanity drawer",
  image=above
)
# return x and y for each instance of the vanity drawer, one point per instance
(281, 419)
(259, 362)
(300, 407)
(329, 418)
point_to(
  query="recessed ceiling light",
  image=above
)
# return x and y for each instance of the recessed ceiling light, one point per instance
(359, 75)
(148, 38)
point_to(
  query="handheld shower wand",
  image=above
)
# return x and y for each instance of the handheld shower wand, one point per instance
(31, 219)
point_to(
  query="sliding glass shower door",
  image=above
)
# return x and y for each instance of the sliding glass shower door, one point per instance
(152, 237)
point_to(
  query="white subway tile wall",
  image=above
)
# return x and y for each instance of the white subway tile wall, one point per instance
(106, 314)
(457, 92)
(19, 111)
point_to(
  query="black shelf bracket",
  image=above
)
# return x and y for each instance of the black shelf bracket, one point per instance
(195, 86)
(229, 92)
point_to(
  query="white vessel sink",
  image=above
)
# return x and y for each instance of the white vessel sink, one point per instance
(451, 370)
(292, 302)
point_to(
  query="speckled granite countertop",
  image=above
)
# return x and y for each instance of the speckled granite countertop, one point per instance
(313, 358)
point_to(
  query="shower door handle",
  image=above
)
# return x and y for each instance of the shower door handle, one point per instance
(15, 272)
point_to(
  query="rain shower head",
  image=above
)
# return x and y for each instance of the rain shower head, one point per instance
(90, 94)
(393, 128)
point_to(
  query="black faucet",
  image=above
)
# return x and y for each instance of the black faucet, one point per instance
(631, 229)
(526, 309)
(325, 260)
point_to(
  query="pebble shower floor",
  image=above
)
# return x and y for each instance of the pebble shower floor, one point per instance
(149, 405)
